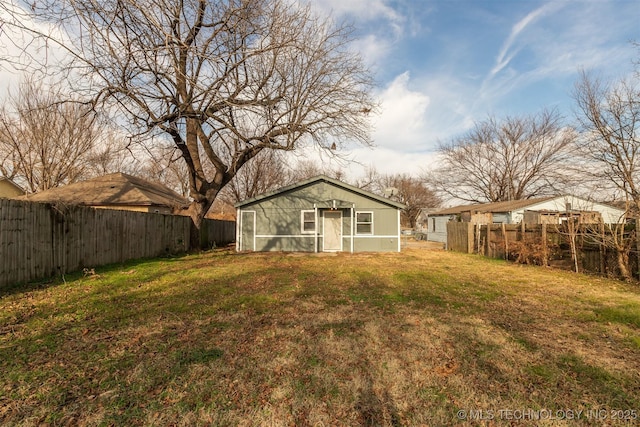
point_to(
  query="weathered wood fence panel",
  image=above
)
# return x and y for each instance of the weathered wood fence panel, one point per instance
(460, 236)
(216, 232)
(553, 245)
(39, 240)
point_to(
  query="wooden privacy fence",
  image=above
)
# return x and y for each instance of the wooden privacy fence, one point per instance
(39, 240)
(214, 232)
(582, 248)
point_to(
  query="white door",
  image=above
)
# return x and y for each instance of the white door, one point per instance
(332, 231)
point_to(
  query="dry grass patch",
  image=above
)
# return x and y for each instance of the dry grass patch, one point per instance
(274, 339)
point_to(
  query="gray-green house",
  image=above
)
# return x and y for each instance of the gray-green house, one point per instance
(318, 215)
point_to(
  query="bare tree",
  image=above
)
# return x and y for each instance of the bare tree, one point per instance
(616, 237)
(609, 118)
(222, 79)
(412, 192)
(306, 169)
(511, 159)
(370, 180)
(265, 172)
(164, 164)
(45, 142)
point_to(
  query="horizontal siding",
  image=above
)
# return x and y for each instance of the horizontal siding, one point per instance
(287, 221)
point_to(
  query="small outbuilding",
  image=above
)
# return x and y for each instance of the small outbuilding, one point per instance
(320, 214)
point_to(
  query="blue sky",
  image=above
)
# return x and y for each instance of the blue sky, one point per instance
(442, 65)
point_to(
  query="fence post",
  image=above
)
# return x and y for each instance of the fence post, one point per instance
(506, 243)
(543, 237)
(470, 238)
(602, 248)
(476, 242)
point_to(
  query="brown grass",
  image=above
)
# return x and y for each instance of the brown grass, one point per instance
(278, 339)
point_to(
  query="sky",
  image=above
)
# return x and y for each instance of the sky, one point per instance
(443, 65)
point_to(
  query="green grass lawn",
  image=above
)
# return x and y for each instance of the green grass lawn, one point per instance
(418, 338)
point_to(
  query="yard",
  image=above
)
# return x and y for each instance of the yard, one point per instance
(417, 338)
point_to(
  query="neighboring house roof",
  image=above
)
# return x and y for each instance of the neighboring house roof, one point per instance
(508, 206)
(116, 189)
(322, 178)
(13, 188)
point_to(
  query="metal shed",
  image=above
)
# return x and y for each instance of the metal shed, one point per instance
(320, 214)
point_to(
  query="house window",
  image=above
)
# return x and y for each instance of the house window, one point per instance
(364, 222)
(308, 221)
(433, 225)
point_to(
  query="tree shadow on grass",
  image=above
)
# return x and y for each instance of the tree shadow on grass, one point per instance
(375, 412)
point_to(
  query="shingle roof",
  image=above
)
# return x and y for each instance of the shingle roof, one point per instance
(325, 179)
(508, 206)
(113, 189)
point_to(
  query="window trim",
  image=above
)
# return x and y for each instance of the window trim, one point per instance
(370, 233)
(302, 221)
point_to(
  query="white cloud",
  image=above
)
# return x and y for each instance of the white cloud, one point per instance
(379, 25)
(372, 49)
(364, 10)
(403, 138)
(416, 114)
(390, 161)
(402, 122)
(506, 54)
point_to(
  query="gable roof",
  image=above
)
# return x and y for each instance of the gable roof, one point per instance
(507, 206)
(322, 178)
(116, 189)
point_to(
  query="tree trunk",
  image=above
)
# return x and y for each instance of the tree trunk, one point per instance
(637, 237)
(623, 264)
(197, 211)
(572, 242)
